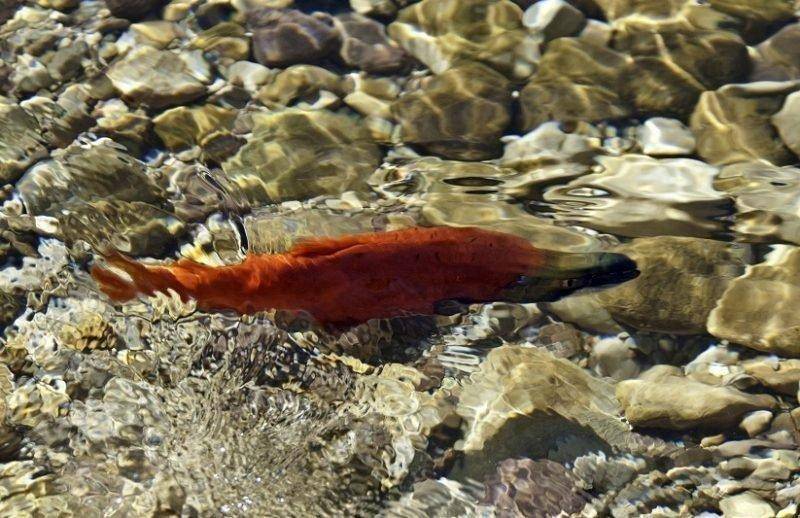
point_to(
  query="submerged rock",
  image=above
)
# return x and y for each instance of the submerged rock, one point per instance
(100, 169)
(775, 58)
(663, 398)
(787, 122)
(518, 386)
(133, 9)
(758, 309)
(183, 126)
(767, 200)
(733, 124)
(21, 141)
(459, 114)
(307, 84)
(575, 81)
(159, 78)
(287, 37)
(660, 136)
(524, 487)
(366, 47)
(680, 283)
(296, 154)
(443, 33)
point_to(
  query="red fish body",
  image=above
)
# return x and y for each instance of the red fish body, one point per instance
(350, 279)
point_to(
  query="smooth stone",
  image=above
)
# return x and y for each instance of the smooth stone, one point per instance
(776, 374)
(301, 84)
(296, 154)
(758, 309)
(186, 126)
(761, 11)
(288, 37)
(460, 113)
(787, 122)
(746, 505)
(226, 39)
(61, 5)
(615, 357)
(756, 422)
(375, 7)
(733, 125)
(660, 136)
(575, 81)
(365, 45)
(249, 75)
(664, 399)
(776, 58)
(133, 9)
(444, 33)
(553, 19)
(160, 78)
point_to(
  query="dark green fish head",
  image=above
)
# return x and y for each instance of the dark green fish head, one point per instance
(566, 273)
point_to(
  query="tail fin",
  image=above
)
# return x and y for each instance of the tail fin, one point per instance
(145, 279)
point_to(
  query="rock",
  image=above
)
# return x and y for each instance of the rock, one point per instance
(128, 128)
(287, 37)
(184, 127)
(21, 141)
(615, 357)
(296, 154)
(757, 309)
(681, 281)
(377, 7)
(548, 144)
(756, 422)
(576, 81)
(746, 505)
(249, 75)
(553, 19)
(443, 33)
(635, 195)
(787, 122)
(524, 487)
(675, 62)
(526, 383)
(767, 200)
(61, 5)
(660, 136)
(762, 11)
(306, 84)
(779, 375)
(662, 398)
(732, 124)
(225, 39)
(460, 113)
(65, 64)
(83, 173)
(366, 47)
(133, 9)
(775, 58)
(159, 78)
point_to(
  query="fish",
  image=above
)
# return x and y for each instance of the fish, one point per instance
(352, 279)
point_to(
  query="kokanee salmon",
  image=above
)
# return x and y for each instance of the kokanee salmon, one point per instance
(355, 278)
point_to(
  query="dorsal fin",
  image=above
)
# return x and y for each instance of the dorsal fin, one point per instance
(314, 247)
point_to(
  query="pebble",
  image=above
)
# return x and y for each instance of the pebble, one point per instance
(756, 422)
(660, 136)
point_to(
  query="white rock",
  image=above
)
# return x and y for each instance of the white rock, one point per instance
(787, 122)
(660, 136)
(746, 505)
(553, 18)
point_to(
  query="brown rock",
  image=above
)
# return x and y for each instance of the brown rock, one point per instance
(366, 47)
(133, 9)
(459, 114)
(285, 37)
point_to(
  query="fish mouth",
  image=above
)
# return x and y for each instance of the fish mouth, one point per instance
(566, 273)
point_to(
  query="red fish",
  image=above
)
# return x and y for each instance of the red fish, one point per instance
(348, 279)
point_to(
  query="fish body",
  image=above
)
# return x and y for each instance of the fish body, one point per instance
(349, 279)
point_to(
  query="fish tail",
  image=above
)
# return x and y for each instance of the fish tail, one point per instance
(144, 279)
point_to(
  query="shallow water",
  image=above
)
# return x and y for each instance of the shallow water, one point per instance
(665, 131)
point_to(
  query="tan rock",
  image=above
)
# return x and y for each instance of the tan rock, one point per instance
(665, 399)
(758, 310)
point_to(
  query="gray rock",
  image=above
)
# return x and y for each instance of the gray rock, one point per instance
(746, 505)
